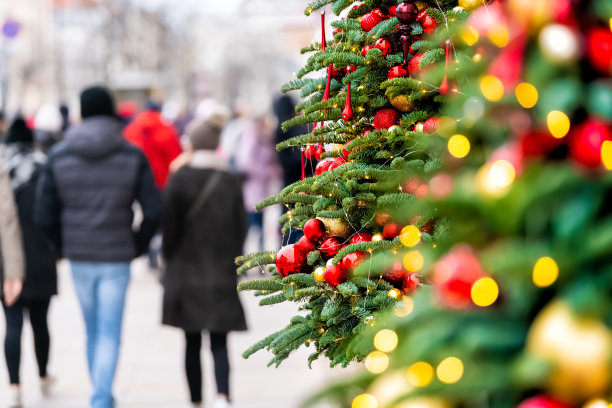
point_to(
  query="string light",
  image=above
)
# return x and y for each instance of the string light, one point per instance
(413, 261)
(365, 401)
(385, 340)
(450, 370)
(545, 272)
(606, 154)
(458, 146)
(410, 236)
(499, 35)
(558, 123)
(484, 292)
(526, 95)
(377, 237)
(492, 88)
(420, 374)
(469, 35)
(377, 362)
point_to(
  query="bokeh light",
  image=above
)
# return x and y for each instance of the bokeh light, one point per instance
(447, 126)
(413, 261)
(377, 362)
(458, 146)
(385, 340)
(526, 95)
(502, 173)
(420, 374)
(365, 401)
(545, 272)
(558, 123)
(405, 307)
(469, 35)
(410, 236)
(450, 370)
(606, 154)
(492, 88)
(484, 292)
(499, 35)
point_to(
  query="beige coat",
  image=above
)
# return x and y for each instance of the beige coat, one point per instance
(10, 233)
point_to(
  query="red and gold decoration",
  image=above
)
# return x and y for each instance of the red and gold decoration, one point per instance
(385, 118)
(291, 259)
(371, 19)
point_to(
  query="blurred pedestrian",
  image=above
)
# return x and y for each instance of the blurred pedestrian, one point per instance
(86, 192)
(12, 263)
(204, 226)
(65, 113)
(23, 165)
(48, 124)
(257, 161)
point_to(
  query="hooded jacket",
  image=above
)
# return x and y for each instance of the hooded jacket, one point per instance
(158, 140)
(11, 248)
(86, 192)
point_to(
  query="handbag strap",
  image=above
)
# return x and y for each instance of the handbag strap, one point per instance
(203, 196)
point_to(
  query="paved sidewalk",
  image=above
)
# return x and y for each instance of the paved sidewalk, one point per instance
(150, 372)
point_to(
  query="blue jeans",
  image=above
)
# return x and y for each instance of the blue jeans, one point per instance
(101, 289)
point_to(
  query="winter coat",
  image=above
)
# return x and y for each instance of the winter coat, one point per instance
(200, 281)
(24, 166)
(87, 190)
(158, 140)
(12, 263)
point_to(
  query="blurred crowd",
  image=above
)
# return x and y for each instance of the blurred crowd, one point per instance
(71, 189)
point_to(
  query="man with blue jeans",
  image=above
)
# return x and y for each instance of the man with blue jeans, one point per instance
(84, 202)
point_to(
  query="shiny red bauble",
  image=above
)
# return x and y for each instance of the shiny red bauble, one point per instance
(542, 401)
(371, 19)
(392, 230)
(366, 131)
(365, 50)
(319, 151)
(410, 283)
(330, 247)
(323, 166)
(391, 10)
(431, 125)
(538, 144)
(346, 152)
(314, 230)
(406, 12)
(427, 22)
(586, 140)
(361, 237)
(397, 72)
(395, 274)
(337, 73)
(306, 244)
(454, 274)
(413, 64)
(310, 152)
(599, 45)
(335, 275)
(338, 161)
(384, 46)
(291, 259)
(385, 118)
(352, 260)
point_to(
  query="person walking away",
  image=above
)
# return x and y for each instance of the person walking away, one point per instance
(23, 165)
(86, 193)
(204, 226)
(158, 140)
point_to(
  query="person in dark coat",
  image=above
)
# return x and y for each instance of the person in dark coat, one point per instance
(200, 242)
(84, 201)
(23, 165)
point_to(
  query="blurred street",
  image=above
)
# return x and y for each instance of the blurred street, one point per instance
(150, 369)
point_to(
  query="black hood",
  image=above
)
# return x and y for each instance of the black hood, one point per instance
(96, 137)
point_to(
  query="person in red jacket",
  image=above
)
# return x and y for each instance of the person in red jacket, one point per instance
(158, 140)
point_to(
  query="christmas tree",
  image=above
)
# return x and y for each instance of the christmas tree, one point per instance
(373, 110)
(517, 309)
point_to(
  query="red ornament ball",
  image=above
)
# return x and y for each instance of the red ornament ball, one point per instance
(365, 50)
(291, 259)
(350, 68)
(392, 230)
(395, 274)
(366, 131)
(586, 140)
(397, 72)
(335, 275)
(406, 12)
(427, 22)
(352, 260)
(330, 247)
(454, 274)
(538, 144)
(429, 226)
(413, 64)
(410, 283)
(361, 237)
(337, 73)
(384, 46)
(391, 10)
(319, 151)
(310, 152)
(542, 401)
(323, 166)
(314, 230)
(385, 118)
(599, 45)
(371, 19)
(431, 125)
(306, 245)
(382, 218)
(338, 161)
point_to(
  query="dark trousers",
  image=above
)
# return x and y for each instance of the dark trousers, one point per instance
(256, 221)
(37, 309)
(193, 364)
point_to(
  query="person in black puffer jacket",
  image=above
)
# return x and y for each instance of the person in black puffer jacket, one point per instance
(84, 201)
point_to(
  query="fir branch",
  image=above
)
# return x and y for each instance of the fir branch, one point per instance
(289, 198)
(272, 300)
(315, 5)
(265, 284)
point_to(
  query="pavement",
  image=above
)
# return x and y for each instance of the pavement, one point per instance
(150, 372)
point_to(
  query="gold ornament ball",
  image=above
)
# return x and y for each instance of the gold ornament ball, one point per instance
(470, 5)
(401, 103)
(419, 127)
(319, 274)
(394, 294)
(336, 227)
(580, 350)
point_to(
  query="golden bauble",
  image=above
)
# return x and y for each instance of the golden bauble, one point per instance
(401, 103)
(470, 5)
(395, 294)
(336, 227)
(319, 274)
(580, 350)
